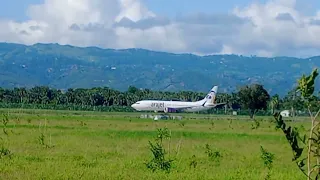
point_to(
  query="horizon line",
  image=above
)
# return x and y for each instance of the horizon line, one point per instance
(159, 51)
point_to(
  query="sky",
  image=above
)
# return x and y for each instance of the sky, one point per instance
(247, 27)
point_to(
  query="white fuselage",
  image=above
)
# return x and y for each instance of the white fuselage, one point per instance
(158, 106)
(174, 106)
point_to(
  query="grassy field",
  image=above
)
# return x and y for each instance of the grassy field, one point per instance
(96, 145)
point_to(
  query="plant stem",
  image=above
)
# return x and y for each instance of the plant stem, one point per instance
(309, 145)
(313, 125)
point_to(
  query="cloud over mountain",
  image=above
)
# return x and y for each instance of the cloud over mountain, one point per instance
(276, 27)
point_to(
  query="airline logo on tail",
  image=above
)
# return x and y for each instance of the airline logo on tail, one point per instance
(213, 100)
(211, 96)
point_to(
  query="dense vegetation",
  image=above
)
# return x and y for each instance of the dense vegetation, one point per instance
(107, 99)
(64, 67)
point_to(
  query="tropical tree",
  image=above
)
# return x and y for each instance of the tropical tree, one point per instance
(274, 103)
(253, 97)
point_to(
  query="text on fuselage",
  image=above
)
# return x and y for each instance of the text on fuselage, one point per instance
(157, 105)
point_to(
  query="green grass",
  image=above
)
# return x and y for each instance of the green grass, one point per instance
(97, 145)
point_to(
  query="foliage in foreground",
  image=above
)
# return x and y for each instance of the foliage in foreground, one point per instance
(305, 87)
(159, 160)
(4, 151)
(267, 159)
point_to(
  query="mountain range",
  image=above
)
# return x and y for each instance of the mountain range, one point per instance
(65, 66)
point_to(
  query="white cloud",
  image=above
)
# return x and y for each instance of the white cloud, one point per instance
(276, 27)
(134, 10)
(278, 35)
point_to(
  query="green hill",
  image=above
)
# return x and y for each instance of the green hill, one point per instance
(67, 66)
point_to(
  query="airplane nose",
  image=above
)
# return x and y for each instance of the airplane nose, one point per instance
(133, 105)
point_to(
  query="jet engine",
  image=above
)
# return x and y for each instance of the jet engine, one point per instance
(170, 110)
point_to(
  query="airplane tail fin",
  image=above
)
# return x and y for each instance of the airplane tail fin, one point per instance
(211, 96)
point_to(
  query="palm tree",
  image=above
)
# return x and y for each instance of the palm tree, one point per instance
(274, 103)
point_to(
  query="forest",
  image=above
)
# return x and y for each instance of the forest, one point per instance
(111, 100)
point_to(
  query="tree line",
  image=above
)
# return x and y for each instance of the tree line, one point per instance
(250, 99)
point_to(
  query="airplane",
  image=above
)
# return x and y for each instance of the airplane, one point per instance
(206, 103)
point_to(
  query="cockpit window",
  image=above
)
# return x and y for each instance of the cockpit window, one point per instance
(137, 103)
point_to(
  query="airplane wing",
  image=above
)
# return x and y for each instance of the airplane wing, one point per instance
(220, 104)
(175, 109)
(215, 105)
(185, 107)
